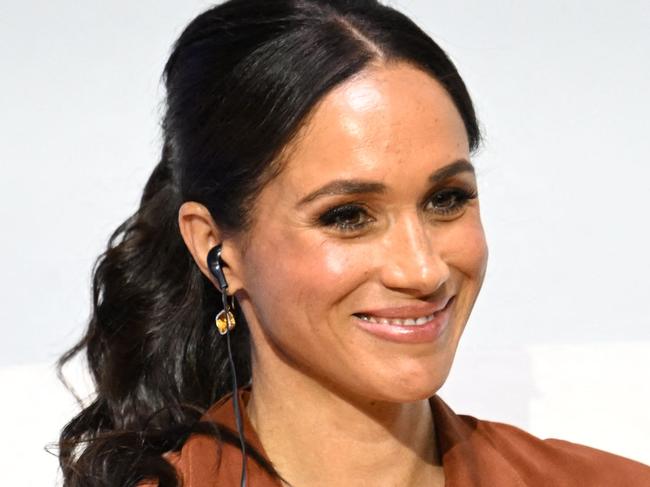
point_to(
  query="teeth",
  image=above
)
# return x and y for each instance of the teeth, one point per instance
(398, 321)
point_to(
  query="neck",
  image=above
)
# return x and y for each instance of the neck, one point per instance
(301, 423)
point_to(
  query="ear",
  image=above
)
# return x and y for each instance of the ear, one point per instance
(200, 234)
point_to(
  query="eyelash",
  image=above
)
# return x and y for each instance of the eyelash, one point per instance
(340, 217)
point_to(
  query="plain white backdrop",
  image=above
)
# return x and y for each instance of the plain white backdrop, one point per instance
(559, 341)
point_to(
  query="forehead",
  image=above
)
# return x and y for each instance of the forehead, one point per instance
(385, 120)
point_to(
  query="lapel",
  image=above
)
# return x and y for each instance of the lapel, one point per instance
(468, 456)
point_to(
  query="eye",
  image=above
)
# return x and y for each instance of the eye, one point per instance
(449, 201)
(347, 218)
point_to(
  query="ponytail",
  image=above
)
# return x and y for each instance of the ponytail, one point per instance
(154, 355)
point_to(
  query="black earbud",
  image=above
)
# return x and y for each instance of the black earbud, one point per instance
(215, 264)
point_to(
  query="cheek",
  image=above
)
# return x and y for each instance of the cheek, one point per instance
(300, 277)
(468, 255)
(466, 249)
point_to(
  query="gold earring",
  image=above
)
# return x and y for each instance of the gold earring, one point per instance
(225, 320)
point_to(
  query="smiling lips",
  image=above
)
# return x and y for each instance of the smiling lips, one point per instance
(398, 321)
(410, 324)
(406, 315)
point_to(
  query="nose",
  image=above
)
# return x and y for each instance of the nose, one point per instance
(412, 261)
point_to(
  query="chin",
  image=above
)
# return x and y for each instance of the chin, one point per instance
(412, 388)
(419, 379)
(415, 392)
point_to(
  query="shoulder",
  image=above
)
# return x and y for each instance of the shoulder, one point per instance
(561, 462)
(207, 460)
(197, 451)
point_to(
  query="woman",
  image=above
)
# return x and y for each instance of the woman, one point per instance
(315, 195)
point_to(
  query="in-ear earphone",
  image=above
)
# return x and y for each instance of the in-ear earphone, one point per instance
(215, 264)
(225, 322)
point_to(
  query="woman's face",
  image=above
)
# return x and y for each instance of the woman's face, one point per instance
(371, 227)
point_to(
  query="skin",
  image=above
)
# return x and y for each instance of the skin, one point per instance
(322, 385)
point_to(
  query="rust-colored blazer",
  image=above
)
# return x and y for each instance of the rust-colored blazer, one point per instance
(474, 453)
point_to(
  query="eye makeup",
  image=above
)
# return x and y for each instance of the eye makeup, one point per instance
(442, 203)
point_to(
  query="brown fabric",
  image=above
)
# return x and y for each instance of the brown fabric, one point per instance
(475, 453)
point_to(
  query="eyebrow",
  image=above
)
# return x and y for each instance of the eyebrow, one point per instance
(360, 186)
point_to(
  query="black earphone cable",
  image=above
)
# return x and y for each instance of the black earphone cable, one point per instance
(235, 395)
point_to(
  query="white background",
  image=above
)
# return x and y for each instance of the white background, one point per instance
(559, 342)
